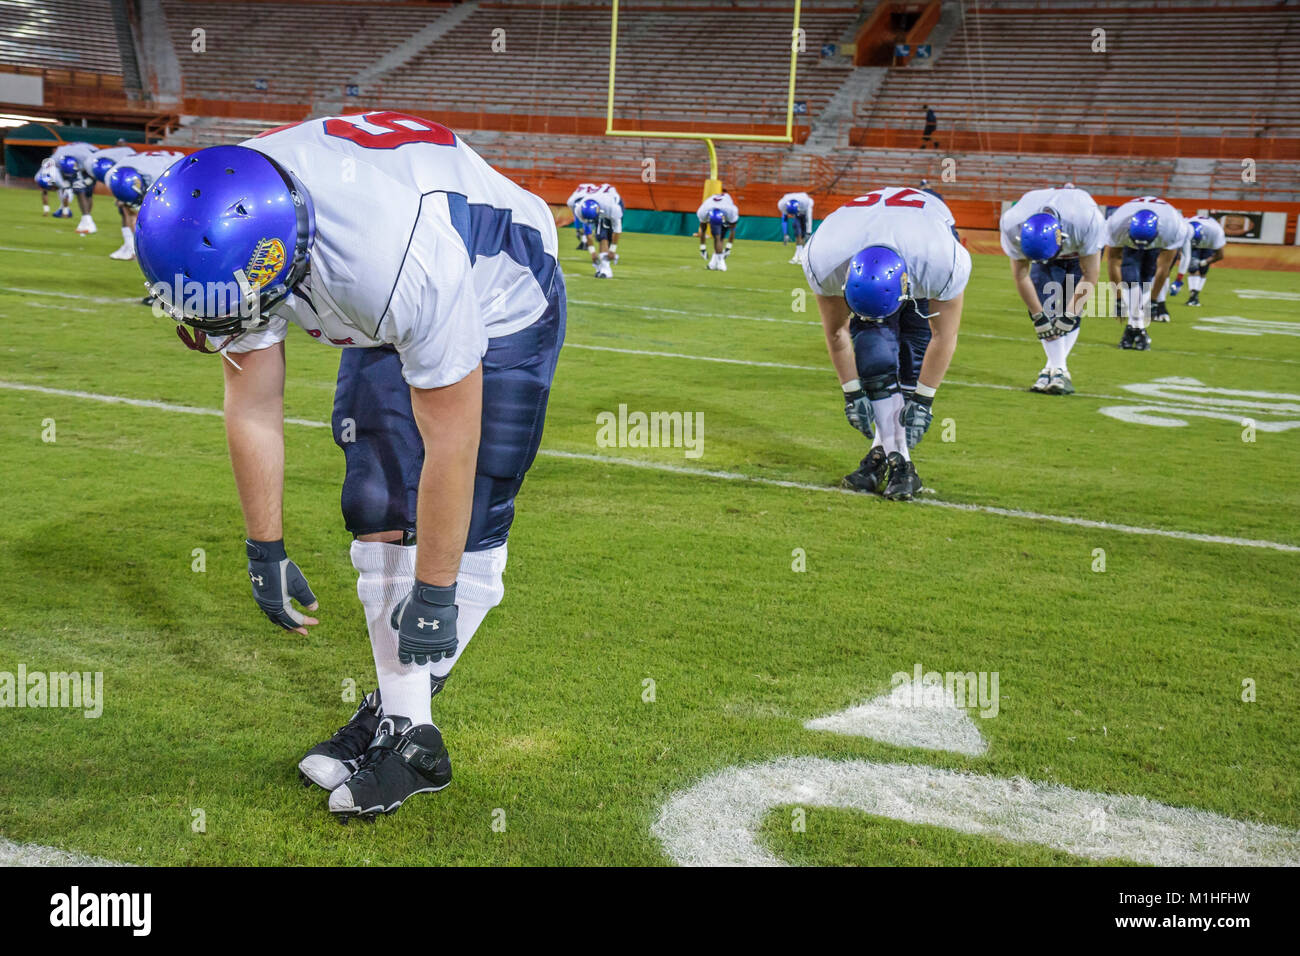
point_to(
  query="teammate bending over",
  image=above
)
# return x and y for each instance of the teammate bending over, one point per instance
(1203, 248)
(797, 217)
(441, 396)
(870, 260)
(1144, 237)
(718, 216)
(71, 159)
(129, 182)
(602, 212)
(1054, 238)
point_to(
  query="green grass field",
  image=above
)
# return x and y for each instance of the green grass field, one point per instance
(1122, 681)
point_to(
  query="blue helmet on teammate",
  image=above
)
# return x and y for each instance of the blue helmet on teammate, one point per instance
(878, 283)
(1143, 227)
(221, 219)
(126, 184)
(718, 216)
(69, 165)
(45, 179)
(101, 167)
(589, 211)
(1197, 229)
(792, 207)
(1040, 237)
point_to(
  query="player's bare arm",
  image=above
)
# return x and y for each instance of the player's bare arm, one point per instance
(943, 340)
(1090, 265)
(835, 324)
(449, 420)
(1025, 285)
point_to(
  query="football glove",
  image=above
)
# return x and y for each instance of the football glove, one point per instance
(857, 409)
(1176, 286)
(425, 622)
(1065, 323)
(1043, 325)
(916, 417)
(275, 580)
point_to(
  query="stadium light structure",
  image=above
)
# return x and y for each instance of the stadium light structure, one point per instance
(712, 185)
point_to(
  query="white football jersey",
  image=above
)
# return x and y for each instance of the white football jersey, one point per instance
(723, 201)
(50, 166)
(1083, 226)
(917, 225)
(116, 153)
(1212, 234)
(1171, 234)
(610, 206)
(803, 199)
(79, 151)
(583, 191)
(153, 164)
(420, 244)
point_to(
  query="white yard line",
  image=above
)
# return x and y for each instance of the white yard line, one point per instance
(29, 854)
(730, 476)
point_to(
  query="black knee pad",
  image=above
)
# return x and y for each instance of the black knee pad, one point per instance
(880, 387)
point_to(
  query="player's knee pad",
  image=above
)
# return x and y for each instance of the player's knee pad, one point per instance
(875, 349)
(880, 387)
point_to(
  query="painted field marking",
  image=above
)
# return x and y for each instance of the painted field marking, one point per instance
(1268, 294)
(1176, 399)
(716, 821)
(729, 476)
(30, 854)
(905, 717)
(1240, 325)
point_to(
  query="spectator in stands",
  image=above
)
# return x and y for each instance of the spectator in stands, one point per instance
(931, 124)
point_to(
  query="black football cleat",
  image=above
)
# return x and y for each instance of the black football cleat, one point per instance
(870, 476)
(1194, 298)
(1159, 312)
(1141, 340)
(401, 761)
(903, 479)
(332, 761)
(1130, 333)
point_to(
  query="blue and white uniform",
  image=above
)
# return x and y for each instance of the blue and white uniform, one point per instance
(611, 211)
(118, 154)
(920, 228)
(1139, 264)
(583, 191)
(730, 212)
(802, 220)
(1212, 238)
(426, 262)
(83, 181)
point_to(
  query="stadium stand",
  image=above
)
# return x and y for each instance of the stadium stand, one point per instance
(59, 35)
(1211, 73)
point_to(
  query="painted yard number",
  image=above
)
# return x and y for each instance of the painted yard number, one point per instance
(716, 822)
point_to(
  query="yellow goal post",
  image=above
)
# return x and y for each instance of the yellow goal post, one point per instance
(713, 184)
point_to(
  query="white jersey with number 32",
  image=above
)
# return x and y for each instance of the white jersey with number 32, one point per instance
(916, 225)
(420, 244)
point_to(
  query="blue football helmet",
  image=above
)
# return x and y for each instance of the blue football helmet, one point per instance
(221, 219)
(878, 283)
(1040, 237)
(1143, 227)
(1197, 229)
(101, 167)
(45, 179)
(792, 207)
(589, 211)
(69, 165)
(718, 216)
(126, 184)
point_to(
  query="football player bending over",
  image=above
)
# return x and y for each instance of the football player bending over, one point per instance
(99, 165)
(583, 229)
(129, 182)
(797, 216)
(603, 212)
(71, 159)
(1054, 238)
(884, 254)
(1144, 237)
(1203, 248)
(718, 216)
(50, 179)
(441, 395)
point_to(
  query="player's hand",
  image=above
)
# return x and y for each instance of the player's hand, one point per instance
(1043, 325)
(425, 622)
(1065, 324)
(275, 581)
(916, 417)
(857, 409)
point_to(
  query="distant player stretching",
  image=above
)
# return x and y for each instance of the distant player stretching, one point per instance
(889, 252)
(1144, 236)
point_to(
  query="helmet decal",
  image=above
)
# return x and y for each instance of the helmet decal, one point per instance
(265, 263)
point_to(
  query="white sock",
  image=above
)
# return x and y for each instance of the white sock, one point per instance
(1067, 346)
(889, 432)
(1196, 283)
(128, 238)
(386, 574)
(1055, 349)
(479, 589)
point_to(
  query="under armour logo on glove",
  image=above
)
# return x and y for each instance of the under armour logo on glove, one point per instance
(277, 582)
(256, 579)
(427, 608)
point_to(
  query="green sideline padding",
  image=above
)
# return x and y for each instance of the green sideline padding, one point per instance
(685, 224)
(23, 157)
